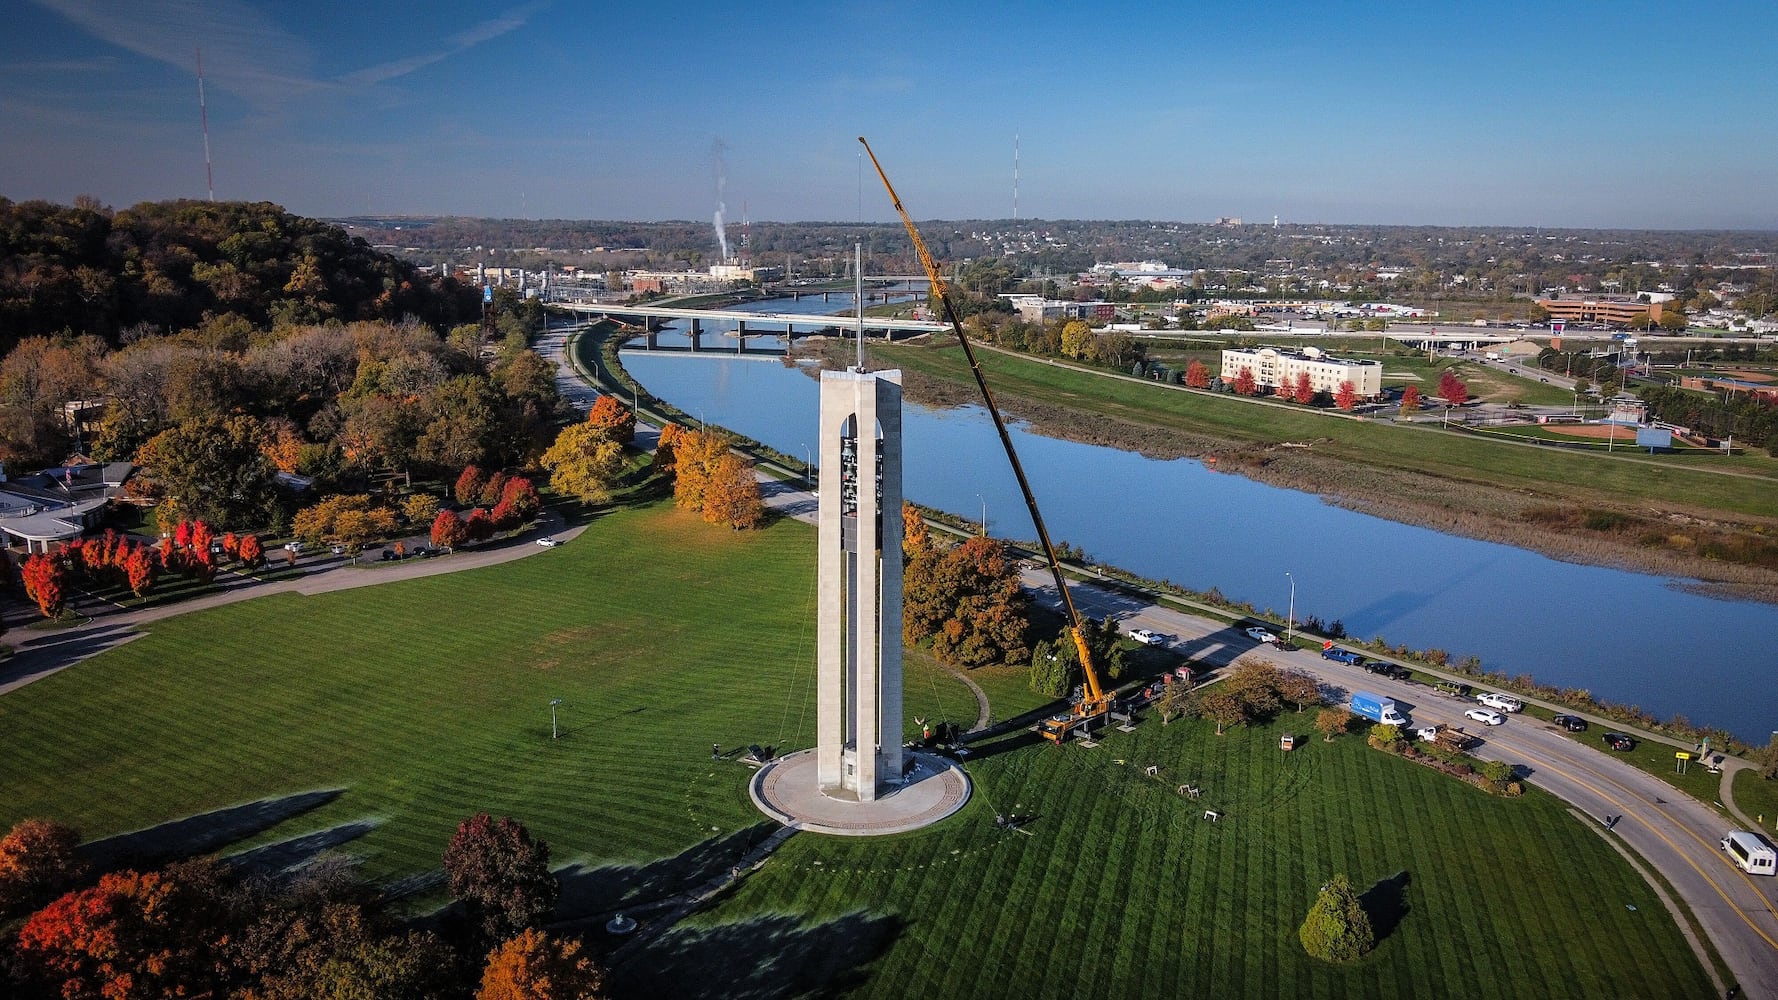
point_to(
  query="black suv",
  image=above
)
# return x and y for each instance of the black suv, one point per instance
(1620, 742)
(1572, 723)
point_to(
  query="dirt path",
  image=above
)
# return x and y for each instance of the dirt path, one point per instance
(981, 701)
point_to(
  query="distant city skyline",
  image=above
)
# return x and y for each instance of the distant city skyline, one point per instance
(1563, 114)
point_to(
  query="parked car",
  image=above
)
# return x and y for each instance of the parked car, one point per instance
(1258, 634)
(294, 546)
(1503, 702)
(1454, 687)
(1619, 742)
(423, 553)
(548, 542)
(1572, 723)
(1341, 655)
(389, 555)
(1485, 716)
(1145, 636)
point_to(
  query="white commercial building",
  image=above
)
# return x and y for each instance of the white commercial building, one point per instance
(1274, 366)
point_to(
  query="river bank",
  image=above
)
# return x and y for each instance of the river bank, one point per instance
(1566, 522)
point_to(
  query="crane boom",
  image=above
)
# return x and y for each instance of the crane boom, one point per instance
(1095, 701)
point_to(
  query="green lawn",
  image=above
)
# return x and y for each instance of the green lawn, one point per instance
(1119, 887)
(411, 705)
(1380, 444)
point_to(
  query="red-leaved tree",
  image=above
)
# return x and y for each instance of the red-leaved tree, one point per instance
(1197, 376)
(521, 492)
(1245, 384)
(1410, 399)
(138, 570)
(501, 875)
(1452, 390)
(43, 577)
(469, 484)
(613, 419)
(1304, 393)
(448, 531)
(1347, 396)
(479, 525)
(490, 494)
(252, 551)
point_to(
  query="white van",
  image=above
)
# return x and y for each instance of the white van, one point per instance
(1751, 853)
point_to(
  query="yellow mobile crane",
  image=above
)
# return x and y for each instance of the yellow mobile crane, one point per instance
(1095, 702)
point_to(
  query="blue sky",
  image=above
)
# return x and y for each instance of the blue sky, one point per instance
(1563, 113)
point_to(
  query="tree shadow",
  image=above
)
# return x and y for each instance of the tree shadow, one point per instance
(205, 833)
(758, 959)
(298, 851)
(1386, 903)
(607, 888)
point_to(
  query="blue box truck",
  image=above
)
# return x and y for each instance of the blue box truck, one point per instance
(1377, 709)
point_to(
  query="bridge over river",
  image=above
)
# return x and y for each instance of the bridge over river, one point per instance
(747, 324)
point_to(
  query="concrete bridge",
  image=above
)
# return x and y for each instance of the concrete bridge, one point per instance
(754, 324)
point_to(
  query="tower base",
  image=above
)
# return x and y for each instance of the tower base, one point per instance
(788, 791)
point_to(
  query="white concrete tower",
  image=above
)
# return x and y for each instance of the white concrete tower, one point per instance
(858, 720)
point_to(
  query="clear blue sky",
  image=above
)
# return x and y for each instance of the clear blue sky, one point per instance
(1559, 113)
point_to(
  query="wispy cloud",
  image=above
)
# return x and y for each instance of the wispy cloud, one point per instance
(486, 31)
(245, 50)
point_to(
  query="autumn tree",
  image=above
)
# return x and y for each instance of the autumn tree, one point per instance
(351, 520)
(1196, 375)
(536, 966)
(915, 537)
(492, 488)
(134, 936)
(968, 601)
(1299, 688)
(448, 530)
(1256, 684)
(584, 463)
(1337, 929)
(1332, 722)
(252, 551)
(479, 525)
(1410, 399)
(612, 420)
(419, 508)
(732, 496)
(468, 488)
(1224, 708)
(1347, 396)
(501, 875)
(1303, 392)
(695, 457)
(43, 576)
(308, 944)
(1077, 338)
(139, 567)
(1245, 383)
(1451, 389)
(1176, 700)
(37, 860)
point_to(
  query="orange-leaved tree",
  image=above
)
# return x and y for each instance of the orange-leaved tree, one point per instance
(535, 966)
(37, 860)
(43, 577)
(1245, 383)
(1410, 399)
(1347, 396)
(448, 530)
(1304, 392)
(1197, 376)
(612, 419)
(732, 496)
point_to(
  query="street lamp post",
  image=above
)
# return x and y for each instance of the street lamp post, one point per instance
(553, 702)
(807, 466)
(1290, 618)
(700, 420)
(978, 496)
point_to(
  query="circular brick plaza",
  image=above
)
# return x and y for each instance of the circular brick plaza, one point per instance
(787, 791)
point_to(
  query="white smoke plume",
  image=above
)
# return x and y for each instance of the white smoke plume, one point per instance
(716, 150)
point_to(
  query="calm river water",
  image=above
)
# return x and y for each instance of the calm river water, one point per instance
(1627, 637)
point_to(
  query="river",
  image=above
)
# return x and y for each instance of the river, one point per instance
(1627, 637)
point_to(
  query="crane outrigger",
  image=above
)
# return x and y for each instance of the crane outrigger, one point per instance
(1095, 702)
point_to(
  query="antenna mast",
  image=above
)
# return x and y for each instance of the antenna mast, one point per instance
(1015, 177)
(204, 118)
